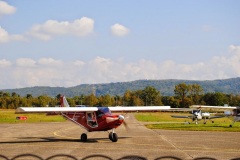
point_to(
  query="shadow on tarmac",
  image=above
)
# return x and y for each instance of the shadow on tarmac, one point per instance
(52, 139)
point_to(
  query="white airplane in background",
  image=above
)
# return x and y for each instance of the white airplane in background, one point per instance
(198, 115)
(231, 112)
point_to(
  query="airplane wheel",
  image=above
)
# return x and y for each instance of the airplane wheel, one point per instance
(113, 137)
(84, 137)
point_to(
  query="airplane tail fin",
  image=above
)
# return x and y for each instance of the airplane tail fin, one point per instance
(64, 102)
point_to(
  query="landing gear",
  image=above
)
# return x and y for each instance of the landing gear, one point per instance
(113, 136)
(84, 137)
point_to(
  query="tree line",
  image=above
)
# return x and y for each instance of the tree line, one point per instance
(184, 96)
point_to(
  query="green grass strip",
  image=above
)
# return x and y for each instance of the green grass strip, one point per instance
(9, 116)
(169, 123)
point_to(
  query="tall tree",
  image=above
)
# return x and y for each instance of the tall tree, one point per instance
(151, 96)
(126, 98)
(117, 100)
(170, 101)
(91, 100)
(29, 96)
(181, 91)
(215, 99)
(195, 93)
(105, 100)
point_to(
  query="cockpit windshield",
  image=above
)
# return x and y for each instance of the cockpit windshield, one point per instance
(103, 111)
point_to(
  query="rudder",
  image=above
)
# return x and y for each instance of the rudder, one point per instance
(64, 102)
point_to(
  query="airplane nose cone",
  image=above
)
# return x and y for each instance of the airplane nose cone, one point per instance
(121, 117)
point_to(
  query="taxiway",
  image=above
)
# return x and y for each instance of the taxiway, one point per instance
(53, 141)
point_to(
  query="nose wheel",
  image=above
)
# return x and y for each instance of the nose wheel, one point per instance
(113, 136)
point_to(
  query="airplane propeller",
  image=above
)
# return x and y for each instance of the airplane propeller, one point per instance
(121, 117)
(125, 124)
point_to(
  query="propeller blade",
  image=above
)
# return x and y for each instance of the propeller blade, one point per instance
(125, 125)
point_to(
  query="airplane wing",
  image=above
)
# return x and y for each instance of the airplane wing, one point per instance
(54, 109)
(87, 109)
(139, 108)
(181, 116)
(213, 107)
(180, 109)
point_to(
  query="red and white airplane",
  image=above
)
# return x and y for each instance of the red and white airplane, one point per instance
(231, 112)
(91, 118)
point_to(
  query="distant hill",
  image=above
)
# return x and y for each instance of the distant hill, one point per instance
(166, 87)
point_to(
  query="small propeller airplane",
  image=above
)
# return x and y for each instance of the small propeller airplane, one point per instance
(231, 112)
(91, 118)
(198, 115)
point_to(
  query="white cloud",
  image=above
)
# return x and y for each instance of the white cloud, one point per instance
(6, 37)
(49, 62)
(119, 30)
(51, 28)
(79, 63)
(51, 72)
(5, 8)
(5, 63)
(234, 48)
(25, 62)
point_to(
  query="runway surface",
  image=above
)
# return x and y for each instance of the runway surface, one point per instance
(56, 141)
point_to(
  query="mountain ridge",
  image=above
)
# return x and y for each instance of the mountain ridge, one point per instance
(166, 87)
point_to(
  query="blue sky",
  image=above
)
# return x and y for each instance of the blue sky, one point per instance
(67, 43)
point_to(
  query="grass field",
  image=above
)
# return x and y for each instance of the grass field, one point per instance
(220, 124)
(9, 116)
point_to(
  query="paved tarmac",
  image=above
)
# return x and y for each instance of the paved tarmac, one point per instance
(54, 141)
